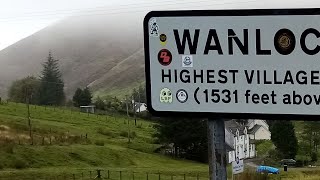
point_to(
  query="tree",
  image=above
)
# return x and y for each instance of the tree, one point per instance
(139, 94)
(51, 86)
(142, 93)
(188, 136)
(99, 103)
(86, 97)
(284, 138)
(311, 136)
(77, 97)
(23, 89)
(82, 97)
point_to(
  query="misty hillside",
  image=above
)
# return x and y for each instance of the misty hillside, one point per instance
(104, 52)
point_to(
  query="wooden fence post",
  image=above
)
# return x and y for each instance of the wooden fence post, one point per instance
(120, 175)
(74, 176)
(147, 176)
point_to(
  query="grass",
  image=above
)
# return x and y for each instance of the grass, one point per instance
(82, 142)
(79, 142)
(118, 92)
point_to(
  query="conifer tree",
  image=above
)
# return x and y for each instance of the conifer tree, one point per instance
(51, 86)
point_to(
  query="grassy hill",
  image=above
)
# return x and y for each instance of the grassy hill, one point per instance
(104, 52)
(72, 145)
(80, 142)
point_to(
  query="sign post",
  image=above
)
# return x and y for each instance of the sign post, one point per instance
(217, 150)
(257, 64)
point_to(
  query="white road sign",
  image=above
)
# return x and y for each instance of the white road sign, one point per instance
(237, 166)
(236, 63)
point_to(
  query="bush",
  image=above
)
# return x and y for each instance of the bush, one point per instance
(20, 164)
(99, 143)
(263, 147)
(302, 160)
(314, 157)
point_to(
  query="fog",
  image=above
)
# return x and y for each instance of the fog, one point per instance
(91, 42)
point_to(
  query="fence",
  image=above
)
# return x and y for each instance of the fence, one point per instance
(104, 174)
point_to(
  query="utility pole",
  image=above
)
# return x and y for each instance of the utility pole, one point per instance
(28, 114)
(127, 105)
(128, 119)
(139, 100)
(217, 149)
(134, 110)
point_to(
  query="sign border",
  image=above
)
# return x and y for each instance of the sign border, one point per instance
(229, 12)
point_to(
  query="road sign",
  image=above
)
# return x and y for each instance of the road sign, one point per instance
(237, 166)
(235, 63)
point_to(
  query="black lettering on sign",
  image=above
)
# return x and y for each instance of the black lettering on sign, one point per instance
(303, 41)
(242, 46)
(288, 78)
(166, 75)
(213, 35)
(301, 79)
(193, 44)
(249, 77)
(259, 50)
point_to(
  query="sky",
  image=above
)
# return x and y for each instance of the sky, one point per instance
(22, 18)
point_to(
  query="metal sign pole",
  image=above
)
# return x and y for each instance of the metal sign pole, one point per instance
(217, 150)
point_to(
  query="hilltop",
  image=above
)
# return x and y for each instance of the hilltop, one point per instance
(102, 51)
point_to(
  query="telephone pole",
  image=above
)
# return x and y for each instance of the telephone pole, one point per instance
(28, 114)
(217, 149)
(134, 110)
(128, 119)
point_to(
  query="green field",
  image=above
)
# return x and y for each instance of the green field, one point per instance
(106, 146)
(72, 145)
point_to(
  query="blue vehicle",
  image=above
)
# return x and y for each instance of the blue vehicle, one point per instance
(267, 169)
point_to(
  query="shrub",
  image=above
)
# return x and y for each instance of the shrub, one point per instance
(99, 143)
(302, 160)
(314, 157)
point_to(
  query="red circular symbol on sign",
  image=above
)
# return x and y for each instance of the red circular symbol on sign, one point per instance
(164, 57)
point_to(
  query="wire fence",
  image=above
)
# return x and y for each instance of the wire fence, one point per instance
(125, 175)
(51, 136)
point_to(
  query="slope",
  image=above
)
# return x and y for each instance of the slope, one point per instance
(66, 140)
(88, 48)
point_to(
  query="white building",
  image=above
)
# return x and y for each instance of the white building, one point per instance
(245, 133)
(140, 107)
